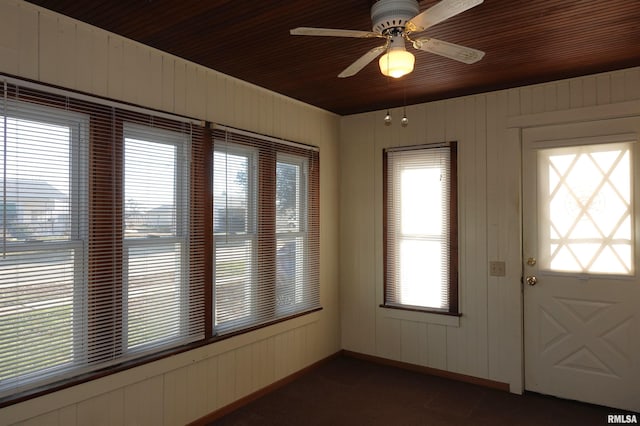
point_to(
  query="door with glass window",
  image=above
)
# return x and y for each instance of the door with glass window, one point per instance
(580, 273)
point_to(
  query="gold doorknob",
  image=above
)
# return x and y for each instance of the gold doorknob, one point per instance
(531, 280)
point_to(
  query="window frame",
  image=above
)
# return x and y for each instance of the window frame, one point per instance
(268, 150)
(453, 308)
(181, 145)
(77, 123)
(103, 141)
(251, 236)
(303, 226)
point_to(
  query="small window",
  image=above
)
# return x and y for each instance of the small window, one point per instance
(421, 228)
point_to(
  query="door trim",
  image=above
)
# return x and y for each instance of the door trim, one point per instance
(599, 130)
(577, 115)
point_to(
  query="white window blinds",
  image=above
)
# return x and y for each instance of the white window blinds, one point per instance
(266, 231)
(421, 237)
(44, 235)
(156, 257)
(102, 254)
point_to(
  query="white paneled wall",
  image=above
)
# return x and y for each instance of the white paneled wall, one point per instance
(47, 47)
(486, 342)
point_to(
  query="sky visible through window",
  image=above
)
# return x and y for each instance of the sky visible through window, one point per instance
(422, 236)
(36, 151)
(150, 178)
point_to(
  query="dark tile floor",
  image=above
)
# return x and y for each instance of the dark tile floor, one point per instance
(348, 391)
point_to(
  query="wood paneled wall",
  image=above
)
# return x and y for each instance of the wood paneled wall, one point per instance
(40, 45)
(486, 341)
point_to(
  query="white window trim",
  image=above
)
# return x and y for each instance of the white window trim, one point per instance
(226, 239)
(182, 171)
(302, 232)
(78, 124)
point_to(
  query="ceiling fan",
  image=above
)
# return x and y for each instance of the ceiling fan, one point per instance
(396, 21)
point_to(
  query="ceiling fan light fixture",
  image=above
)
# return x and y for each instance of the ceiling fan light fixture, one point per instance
(397, 62)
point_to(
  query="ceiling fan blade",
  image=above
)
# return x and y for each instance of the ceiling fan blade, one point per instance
(449, 50)
(362, 62)
(438, 13)
(329, 32)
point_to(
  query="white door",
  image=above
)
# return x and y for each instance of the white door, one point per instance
(581, 186)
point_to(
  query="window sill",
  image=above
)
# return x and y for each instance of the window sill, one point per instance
(161, 362)
(428, 317)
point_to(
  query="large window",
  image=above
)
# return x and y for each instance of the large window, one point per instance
(101, 249)
(266, 234)
(421, 228)
(128, 235)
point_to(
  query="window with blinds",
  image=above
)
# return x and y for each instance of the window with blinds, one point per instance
(102, 236)
(156, 229)
(420, 190)
(266, 231)
(128, 235)
(44, 239)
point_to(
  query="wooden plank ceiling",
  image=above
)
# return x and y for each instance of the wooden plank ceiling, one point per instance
(526, 41)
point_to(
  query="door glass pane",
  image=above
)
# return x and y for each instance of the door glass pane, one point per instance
(585, 209)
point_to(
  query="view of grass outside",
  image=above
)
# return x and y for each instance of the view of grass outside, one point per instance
(33, 337)
(233, 278)
(36, 313)
(291, 226)
(156, 288)
(39, 254)
(154, 294)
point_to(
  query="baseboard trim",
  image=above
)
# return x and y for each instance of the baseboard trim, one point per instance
(223, 411)
(431, 371)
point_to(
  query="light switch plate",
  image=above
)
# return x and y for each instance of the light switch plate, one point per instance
(497, 269)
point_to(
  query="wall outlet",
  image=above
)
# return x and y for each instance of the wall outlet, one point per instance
(497, 269)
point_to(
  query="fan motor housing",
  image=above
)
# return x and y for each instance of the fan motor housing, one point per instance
(389, 14)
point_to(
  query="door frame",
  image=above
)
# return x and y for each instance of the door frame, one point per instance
(516, 127)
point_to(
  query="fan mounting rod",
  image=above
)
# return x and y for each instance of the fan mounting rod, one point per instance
(391, 16)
